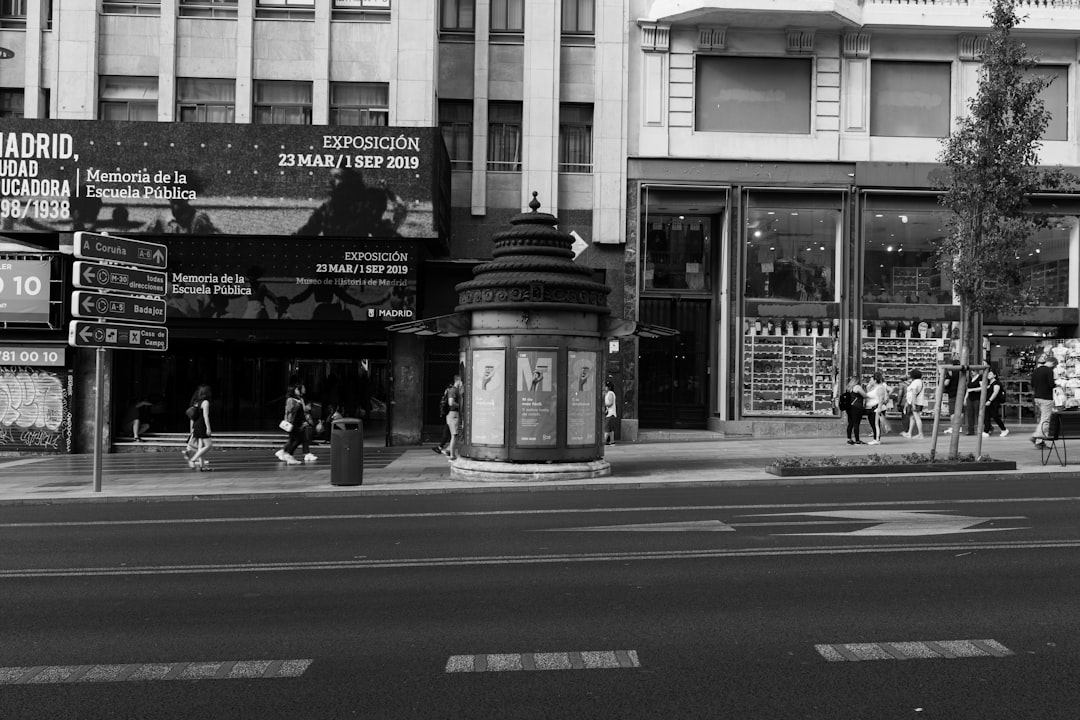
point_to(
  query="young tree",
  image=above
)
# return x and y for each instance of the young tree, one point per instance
(992, 169)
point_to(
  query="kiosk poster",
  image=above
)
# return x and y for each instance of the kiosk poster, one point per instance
(24, 291)
(203, 179)
(488, 397)
(581, 417)
(257, 278)
(35, 410)
(537, 398)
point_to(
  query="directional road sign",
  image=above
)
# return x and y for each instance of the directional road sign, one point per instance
(94, 246)
(117, 335)
(117, 307)
(95, 276)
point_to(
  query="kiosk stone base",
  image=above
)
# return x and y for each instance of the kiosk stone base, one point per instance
(490, 471)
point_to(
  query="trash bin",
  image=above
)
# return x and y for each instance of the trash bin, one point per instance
(347, 452)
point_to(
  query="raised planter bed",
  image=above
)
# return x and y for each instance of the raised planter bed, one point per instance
(892, 469)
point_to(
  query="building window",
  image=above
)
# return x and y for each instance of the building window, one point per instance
(900, 265)
(11, 103)
(456, 124)
(150, 8)
(285, 9)
(910, 99)
(575, 138)
(205, 100)
(457, 15)
(578, 17)
(1055, 98)
(207, 8)
(282, 102)
(12, 14)
(504, 136)
(128, 98)
(753, 95)
(791, 252)
(1044, 266)
(508, 16)
(359, 104)
(361, 10)
(678, 226)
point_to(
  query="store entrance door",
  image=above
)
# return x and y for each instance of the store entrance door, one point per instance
(673, 372)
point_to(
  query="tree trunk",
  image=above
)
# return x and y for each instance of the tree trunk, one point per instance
(967, 329)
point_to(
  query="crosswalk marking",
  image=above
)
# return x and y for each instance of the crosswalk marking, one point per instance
(917, 650)
(212, 670)
(504, 662)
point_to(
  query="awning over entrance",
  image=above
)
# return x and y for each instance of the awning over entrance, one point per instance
(457, 324)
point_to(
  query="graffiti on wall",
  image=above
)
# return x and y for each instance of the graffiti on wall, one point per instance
(35, 410)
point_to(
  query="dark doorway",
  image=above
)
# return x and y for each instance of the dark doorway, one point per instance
(673, 372)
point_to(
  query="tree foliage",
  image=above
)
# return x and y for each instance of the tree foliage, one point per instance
(992, 169)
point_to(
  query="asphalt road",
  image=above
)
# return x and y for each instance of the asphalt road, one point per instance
(949, 600)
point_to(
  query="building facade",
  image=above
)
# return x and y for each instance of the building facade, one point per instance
(760, 179)
(247, 107)
(783, 212)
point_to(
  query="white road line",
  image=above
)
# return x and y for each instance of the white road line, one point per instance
(23, 461)
(913, 650)
(364, 564)
(214, 670)
(943, 507)
(515, 662)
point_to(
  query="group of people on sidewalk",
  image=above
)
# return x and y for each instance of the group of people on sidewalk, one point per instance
(871, 401)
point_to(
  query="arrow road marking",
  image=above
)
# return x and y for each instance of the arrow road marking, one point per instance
(904, 523)
(687, 526)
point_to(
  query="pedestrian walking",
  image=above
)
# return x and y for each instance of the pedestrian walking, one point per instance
(852, 402)
(995, 396)
(297, 412)
(915, 401)
(882, 393)
(444, 410)
(454, 397)
(971, 402)
(611, 413)
(872, 404)
(1042, 391)
(952, 387)
(138, 418)
(201, 429)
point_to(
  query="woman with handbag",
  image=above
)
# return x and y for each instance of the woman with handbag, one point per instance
(297, 424)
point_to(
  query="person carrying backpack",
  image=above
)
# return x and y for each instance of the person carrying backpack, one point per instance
(851, 402)
(444, 410)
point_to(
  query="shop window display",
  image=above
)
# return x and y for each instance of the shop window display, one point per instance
(791, 253)
(895, 349)
(1045, 265)
(789, 367)
(901, 258)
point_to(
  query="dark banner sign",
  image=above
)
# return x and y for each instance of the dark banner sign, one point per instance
(197, 178)
(258, 278)
(35, 409)
(24, 290)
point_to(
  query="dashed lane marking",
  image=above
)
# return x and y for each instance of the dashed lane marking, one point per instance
(918, 650)
(584, 660)
(214, 670)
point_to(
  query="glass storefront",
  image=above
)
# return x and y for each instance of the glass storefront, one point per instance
(790, 335)
(900, 264)
(681, 234)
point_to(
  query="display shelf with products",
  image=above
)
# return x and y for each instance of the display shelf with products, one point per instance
(896, 356)
(1018, 400)
(792, 374)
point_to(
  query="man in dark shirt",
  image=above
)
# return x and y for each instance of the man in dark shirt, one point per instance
(952, 386)
(1042, 390)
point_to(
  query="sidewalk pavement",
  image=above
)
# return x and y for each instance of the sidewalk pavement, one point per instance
(709, 460)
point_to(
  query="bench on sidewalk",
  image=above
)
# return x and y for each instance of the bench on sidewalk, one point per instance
(1062, 426)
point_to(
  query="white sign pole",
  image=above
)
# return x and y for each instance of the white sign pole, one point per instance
(99, 411)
